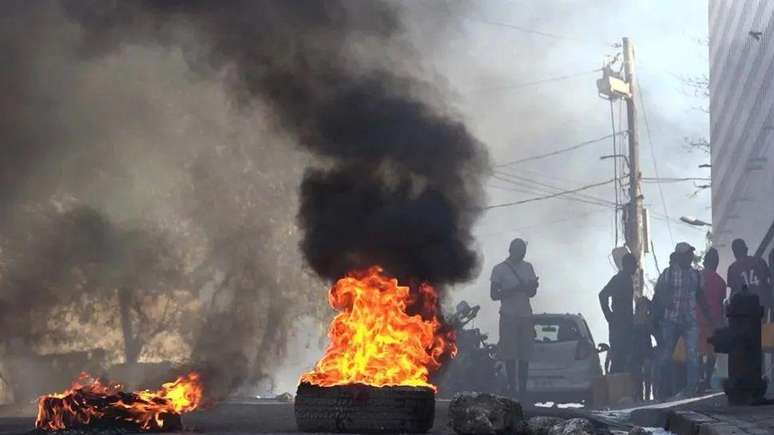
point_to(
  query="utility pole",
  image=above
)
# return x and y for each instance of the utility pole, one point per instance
(633, 222)
(613, 86)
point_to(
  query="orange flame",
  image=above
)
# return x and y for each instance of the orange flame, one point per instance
(374, 339)
(90, 400)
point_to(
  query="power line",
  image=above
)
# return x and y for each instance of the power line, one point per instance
(545, 188)
(621, 162)
(528, 30)
(533, 178)
(566, 197)
(538, 225)
(673, 179)
(535, 174)
(655, 257)
(554, 195)
(653, 158)
(615, 175)
(559, 151)
(536, 82)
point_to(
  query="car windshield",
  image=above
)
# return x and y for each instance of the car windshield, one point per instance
(556, 330)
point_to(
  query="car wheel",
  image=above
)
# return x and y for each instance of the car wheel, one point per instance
(361, 408)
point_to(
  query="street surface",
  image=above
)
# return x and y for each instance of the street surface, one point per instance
(267, 416)
(715, 417)
(232, 418)
(255, 417)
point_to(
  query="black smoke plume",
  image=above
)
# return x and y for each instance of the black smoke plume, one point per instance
(401, 181)
(115, 178)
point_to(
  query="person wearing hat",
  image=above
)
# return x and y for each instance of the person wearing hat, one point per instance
(513, 283)
(677, 296)
(750, 272)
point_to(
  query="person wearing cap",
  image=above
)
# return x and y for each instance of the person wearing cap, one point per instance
(678, 294)
(513, 283)
(750, 272)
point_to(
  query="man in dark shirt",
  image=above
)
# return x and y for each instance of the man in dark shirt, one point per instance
(620, 317)
(751, 272)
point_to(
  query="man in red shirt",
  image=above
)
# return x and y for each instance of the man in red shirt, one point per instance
(750, 272)
(715, 293)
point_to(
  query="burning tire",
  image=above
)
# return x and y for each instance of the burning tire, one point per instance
(93, 404)
(364, 409)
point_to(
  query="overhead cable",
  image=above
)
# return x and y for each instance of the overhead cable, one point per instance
(560, 151)
(653, 158)
(515, 86)
(537, 187)
(554, 195)
(530, 31)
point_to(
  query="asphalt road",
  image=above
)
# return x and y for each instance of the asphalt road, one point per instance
(244, 418)
(228, 418)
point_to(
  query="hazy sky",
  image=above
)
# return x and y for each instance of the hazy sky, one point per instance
(486, 62)
(144, 115)
(488, 54)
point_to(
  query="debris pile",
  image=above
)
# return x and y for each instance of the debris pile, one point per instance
(480, 413)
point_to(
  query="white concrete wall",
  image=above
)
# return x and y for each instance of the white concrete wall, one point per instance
(741, 121)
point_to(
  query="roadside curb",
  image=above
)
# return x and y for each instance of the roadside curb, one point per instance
(695, 423)
(688, 422)
(650, 417)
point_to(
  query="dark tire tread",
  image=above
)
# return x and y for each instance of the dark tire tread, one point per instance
(364, 409)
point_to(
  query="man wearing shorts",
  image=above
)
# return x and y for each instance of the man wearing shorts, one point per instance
(513, 283)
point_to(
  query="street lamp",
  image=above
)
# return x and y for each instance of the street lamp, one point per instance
(695, 222)
(700, 223)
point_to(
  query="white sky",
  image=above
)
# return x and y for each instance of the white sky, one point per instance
(569, 242)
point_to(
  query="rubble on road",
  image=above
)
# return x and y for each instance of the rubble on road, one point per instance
(480, 413)
(541, 425)
(284, 397)
(636, 430)
(573, 426)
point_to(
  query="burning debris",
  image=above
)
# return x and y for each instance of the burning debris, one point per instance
(384, 335)
(385, 343)
(92, 403)
(394, 176)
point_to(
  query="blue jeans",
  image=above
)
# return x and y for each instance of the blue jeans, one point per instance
(670, 333)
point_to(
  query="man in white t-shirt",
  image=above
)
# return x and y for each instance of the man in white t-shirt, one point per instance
(513, 284)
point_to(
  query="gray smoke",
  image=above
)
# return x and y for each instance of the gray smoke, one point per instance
(174, 118)
(404, 179)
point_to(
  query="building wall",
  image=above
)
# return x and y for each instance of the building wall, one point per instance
(741, 121)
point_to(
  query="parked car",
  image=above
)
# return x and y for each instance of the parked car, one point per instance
(565, 361)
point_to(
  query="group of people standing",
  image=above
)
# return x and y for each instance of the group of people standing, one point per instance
(687, 304)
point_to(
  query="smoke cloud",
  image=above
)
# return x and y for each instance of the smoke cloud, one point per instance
(170, 124)
(403, 178)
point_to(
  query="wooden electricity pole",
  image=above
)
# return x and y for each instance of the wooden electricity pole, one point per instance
(613, 86)
(633, 222)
